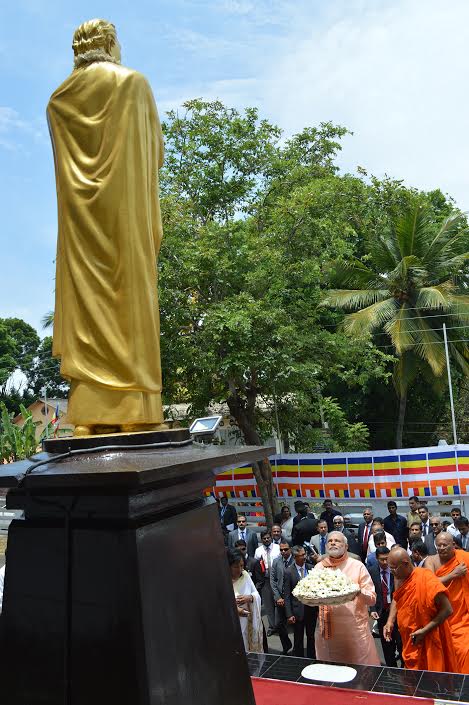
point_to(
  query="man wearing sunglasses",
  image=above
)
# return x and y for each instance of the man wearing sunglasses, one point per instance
(277, 577)
(436, 527)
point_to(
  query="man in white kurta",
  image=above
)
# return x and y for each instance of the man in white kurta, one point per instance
(342, 631)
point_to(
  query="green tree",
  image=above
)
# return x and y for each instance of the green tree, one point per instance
(248, 225)
(18, 345)
(412, 281)
(45, 372)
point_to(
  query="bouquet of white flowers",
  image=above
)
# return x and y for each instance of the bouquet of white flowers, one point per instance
(325, 587)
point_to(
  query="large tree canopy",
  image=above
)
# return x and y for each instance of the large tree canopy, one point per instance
(249, 225)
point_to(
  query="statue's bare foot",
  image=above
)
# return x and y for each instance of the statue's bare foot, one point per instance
(104, 429)
(136, 427)
(83, 431)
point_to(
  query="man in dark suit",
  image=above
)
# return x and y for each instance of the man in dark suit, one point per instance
(276, 532)
(384, 586)
(277, 576)
(304, 528)
(301, 616)
(419, 553)
(250, 564)
(364, 532)
(436, 527)
(228, 516)
(423, 514)
(298, 505)
(462, 525)
(318, 543)
(396, 524)
(242, 532)
(329, 513)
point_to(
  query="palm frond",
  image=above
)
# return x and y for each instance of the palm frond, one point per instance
(362, 323)
(459, 307)
(435, 297)
(384, 253)
(354, 273)
(409, 270)
(453, 228)
(405, 371)
(402, 329)
(47, 321)
(429, 345)
(460, 352)
(412, 231)
(351, 299)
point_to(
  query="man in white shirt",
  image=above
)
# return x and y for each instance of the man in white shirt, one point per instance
(378, 525)
(455, 514)
(266, 554)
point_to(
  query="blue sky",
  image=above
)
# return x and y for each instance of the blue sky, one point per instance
(393, 71)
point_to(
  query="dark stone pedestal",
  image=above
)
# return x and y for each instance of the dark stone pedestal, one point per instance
(117, 589)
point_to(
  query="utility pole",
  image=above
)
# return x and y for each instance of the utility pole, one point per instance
(453, 418)
(44, 390)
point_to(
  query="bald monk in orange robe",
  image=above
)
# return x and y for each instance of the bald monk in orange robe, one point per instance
(422, 607)
(451, 567)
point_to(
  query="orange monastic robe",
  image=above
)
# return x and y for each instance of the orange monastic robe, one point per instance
(458, 590)
(415, 601)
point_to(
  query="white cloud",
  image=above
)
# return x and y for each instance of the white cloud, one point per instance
(396, 75)
(233, 92)
(206, 45)
(13, 129)
(394, 72)
(237, 7)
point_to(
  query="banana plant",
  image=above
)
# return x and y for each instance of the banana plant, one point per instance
(16, 442)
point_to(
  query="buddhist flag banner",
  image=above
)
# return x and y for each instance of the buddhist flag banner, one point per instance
(426, 472)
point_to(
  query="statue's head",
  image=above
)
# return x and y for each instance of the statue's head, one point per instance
(95, 40)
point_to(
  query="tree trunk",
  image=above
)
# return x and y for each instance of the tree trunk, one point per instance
(401, 417)
(262, 470)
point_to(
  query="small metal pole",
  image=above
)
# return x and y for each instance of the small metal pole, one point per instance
(44, 389)
(453, 418)
(279, 437)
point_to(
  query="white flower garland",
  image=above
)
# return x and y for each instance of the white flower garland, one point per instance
(325, 584)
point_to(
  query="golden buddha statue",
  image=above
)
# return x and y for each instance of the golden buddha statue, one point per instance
(108, 147)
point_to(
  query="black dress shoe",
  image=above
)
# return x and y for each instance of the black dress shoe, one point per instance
(270, 631)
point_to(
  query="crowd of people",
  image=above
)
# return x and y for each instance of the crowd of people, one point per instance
(412, 572)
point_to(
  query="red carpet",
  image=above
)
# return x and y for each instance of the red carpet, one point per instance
(270, 692)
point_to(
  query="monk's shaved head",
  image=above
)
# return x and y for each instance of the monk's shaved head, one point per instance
(400, 554)
(444, 537)
(399, 562)
(445, 546)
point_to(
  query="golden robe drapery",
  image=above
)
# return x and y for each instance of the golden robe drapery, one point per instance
(108, 147)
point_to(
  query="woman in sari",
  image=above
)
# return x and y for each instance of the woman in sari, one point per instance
(248, 602)
(286, 522)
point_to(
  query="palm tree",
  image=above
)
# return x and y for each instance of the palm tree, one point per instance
(47, 321)
(414, 279)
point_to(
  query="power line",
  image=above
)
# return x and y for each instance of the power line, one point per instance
(410, 318)
(435, 342)
(48, 356)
